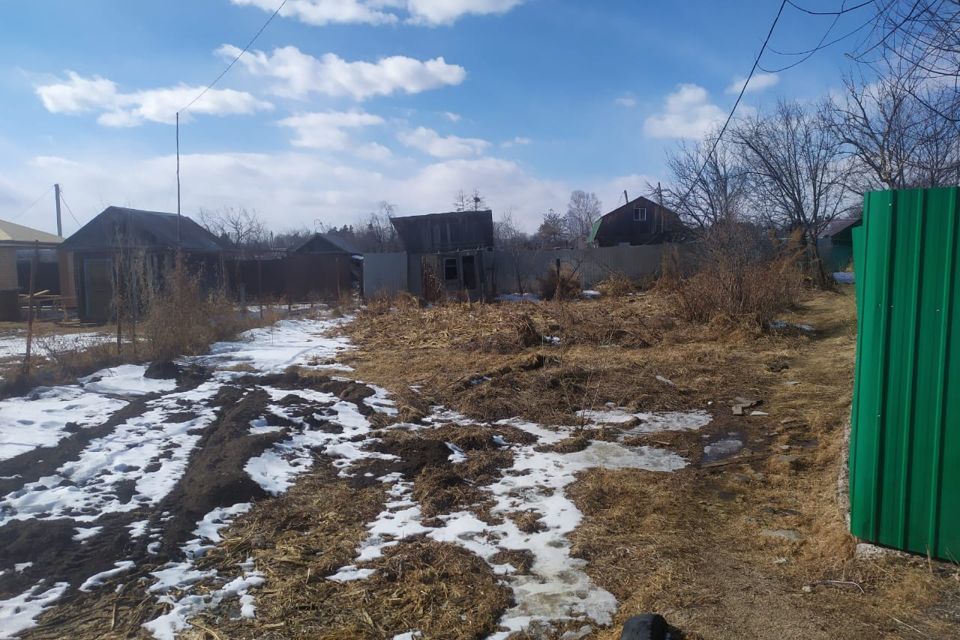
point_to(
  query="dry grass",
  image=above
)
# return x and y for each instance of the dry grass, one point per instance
(306, 535)
(740, 277)
(691, 544)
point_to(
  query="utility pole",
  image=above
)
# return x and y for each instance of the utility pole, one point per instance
(56, 193)
(178, 179)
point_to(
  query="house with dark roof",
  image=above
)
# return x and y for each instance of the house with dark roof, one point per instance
(449, 254)
(324, 243)
(839, 236)
(638, 222)
(100, 250)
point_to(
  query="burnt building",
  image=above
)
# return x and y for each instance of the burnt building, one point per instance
(638, 222)
(449, 254)
(104, 249)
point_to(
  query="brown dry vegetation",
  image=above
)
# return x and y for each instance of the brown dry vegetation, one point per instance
(700, 545)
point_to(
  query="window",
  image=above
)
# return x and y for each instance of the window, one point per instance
(450, 271)
(640, 214)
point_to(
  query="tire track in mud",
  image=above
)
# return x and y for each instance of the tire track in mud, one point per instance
(38, 552)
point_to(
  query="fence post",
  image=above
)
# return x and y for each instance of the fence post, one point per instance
(33, 280)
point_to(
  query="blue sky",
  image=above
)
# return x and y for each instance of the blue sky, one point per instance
(344, 103)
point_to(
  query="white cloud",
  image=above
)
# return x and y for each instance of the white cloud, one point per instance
(452, 117)
(327, 130)
(323, 12)
(290, 189)
(78, 94)
(426, 12)
(627, 101)
(435, 12)
(298, 74)
(431, 142)
(518, 141)
(758, 82)
(687, 113)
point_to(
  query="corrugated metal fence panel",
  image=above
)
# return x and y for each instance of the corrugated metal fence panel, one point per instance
(905, 440)
(516, 269)
(384, 273)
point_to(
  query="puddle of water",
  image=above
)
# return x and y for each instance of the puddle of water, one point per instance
(723, 446)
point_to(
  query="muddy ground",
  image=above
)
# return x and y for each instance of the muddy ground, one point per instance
(405, 516)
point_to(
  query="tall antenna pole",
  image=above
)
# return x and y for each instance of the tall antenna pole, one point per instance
(178, 178)
(56, 194)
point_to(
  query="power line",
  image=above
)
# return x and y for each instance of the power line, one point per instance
(820, 46)
(743, 89)
(69, 210)
(32, 204)
(239, 55)
(842, 10)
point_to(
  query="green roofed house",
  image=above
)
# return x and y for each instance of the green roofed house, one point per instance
(640, 221)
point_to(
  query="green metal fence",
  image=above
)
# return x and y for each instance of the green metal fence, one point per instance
(905, 441)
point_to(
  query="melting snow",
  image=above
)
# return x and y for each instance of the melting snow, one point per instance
(288, 342)
(20, 612)
(40, 419)
(558, 588)
(99, 578)
(126, 380)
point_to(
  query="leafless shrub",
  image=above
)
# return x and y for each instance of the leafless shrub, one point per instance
(564, 284)
(182, 319)
(742, 278)
(617, 285)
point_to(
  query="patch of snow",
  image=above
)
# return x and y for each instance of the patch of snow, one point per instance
(84, 533)
(409, 635)
(40, 418)
(20, 567)
(138, 529)
(125, 380)
(590, 294)
(289, 342)
(457, 455)
(259, 427)
(15, 346)
(85, 488)
(98, 579)
(381, 401)
(557, 588)
(20, 612)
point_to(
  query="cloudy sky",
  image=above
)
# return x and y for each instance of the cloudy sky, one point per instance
(341, 104)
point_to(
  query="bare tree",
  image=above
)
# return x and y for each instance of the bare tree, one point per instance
(922, 39)
(582, 211)
(715, 194)
(477, 201)
(515, 243)
(796, 174)
(469, 202)
(242, 227)
(892, 138)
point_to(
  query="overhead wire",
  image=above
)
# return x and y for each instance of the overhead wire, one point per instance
(32, 204)
(236, 58)
(733, 110)
(842, 10)
(69, 210)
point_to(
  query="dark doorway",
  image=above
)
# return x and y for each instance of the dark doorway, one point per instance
(469, 273)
